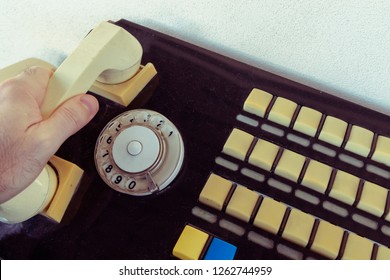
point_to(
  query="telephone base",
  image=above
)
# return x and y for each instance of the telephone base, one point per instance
(69, 177)
(127, 91)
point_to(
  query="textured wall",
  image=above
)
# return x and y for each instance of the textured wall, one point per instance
(342, 47)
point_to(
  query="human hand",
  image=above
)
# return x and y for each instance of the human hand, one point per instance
(27, 141)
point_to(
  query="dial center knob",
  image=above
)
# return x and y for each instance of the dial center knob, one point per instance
(136, 149)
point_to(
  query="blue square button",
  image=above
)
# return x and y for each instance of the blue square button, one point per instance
(220, 250)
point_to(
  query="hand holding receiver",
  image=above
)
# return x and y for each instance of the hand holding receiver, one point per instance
(108, 54)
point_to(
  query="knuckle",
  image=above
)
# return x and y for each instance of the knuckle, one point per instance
(30, 71)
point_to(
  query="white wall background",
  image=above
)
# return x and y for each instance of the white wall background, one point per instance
(339, 46)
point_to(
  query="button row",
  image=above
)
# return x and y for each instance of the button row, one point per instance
(309, 121)
(194, 243)
(309, 173)
(290, 223)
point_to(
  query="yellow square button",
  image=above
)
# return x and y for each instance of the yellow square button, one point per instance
(383, 253)
(242, 203)
(298, 227)
(317, 176)
(307, 121)
(238, 143)
(357, 248)
(373, 199)
(360, 141)
(215, 191)
(333, 131)
(270, 215)
(382, 150)
(345, 187)
(282, 111)
(263, 154)
(290, 165)
(257, 102)
(327, 240)
(190, 244)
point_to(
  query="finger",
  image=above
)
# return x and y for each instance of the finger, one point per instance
(66, 120)
(34, 81)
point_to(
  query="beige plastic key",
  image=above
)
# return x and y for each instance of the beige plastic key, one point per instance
(345, 187)
(333, 131)
(270, 215)
(383, 253)
(290, 165)
(257, 102)
(108, 54)
(298, 227)
(317, 176)
(307, 121)
(327, 240)
(215, 191)
(382, 150)
(263, 154)
(357, 248)
(242, 203)
(282, 111)
(373, 199)
(360, 141)
(238, 143)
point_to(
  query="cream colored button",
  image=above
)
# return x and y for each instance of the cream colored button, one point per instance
(282, 111)
(238, 143)
(327, 240)
(290, 165)
(333, 131)
(215, 191)
(257, 102)
(357, 248)
(383, 253)
(242, 203)
(373, 199)
(263, 154)
(382, 150)
(360, 141)
(308, 121)
(345, 187)
(317, 176)
(298, 227)
(270, 215)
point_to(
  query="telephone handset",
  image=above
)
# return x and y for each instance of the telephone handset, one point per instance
(110, 55)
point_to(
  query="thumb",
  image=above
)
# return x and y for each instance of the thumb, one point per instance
(69, 118)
